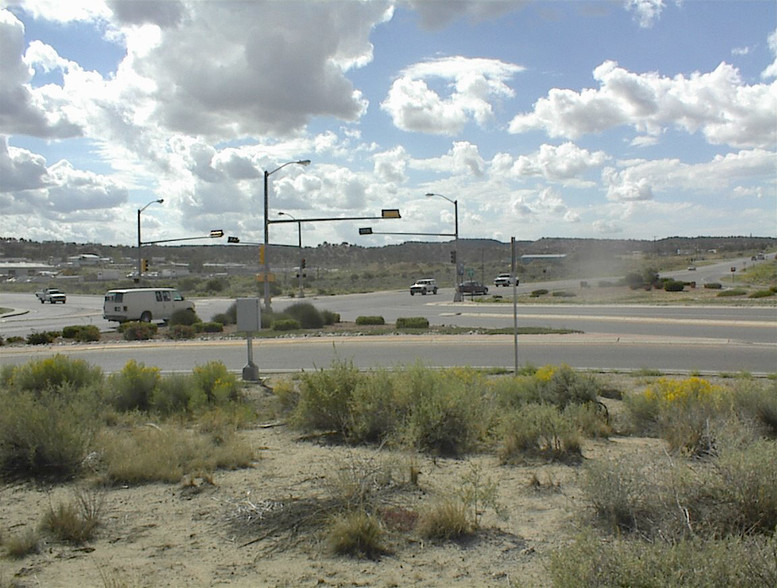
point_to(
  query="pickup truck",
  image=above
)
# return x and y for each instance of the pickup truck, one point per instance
(425, 286)
(52, 295)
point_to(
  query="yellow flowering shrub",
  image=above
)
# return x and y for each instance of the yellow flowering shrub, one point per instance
(545, 373)
(673, 394)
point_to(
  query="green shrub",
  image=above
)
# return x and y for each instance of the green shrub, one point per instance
(52, 373)
(42, 338)
(330, 318)
(761, 294)
(306, 315)
(288, 324)
(733, 292)
(414, 322)
(357, 534)
(183, 316)
(377, 408)
(324, 398)
(370, 320)
(563, 294)
(680, 411)
(217, 383)
(229, 317)
(673, 286)
(175, 394)
(693, 563)
(139, 330)
(69, 332)
(733, 493)
(81, 333)
(133, 387)
(539, 431)
(447, 414)
(539, 292)
(179, 332)
(713, 286)
(44, 435)
(209, 327)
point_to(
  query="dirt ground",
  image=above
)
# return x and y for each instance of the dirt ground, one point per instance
(248, 527)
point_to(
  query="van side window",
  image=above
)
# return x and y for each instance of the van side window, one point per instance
(158, 295)
(166, 296)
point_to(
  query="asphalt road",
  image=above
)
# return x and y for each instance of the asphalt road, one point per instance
(669, 338)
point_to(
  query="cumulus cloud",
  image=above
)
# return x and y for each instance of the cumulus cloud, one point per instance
(557, 163)
(259, 67)
(472, 85)
(22, 109)
(390, 165)
(717, 104)
(463, 158)
(20, 169)
(646, 12)
(639, 180)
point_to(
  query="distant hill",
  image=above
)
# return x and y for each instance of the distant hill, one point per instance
(344, 255)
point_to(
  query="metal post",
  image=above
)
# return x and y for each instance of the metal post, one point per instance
(515, 305)
(266, 266)
(137, 277)
(140, 243)
(301, 259)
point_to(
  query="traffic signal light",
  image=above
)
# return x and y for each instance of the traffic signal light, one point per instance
(302, 265)
(233, 240)
(261, 254)
(216, 233)
(143, 265)
(453, 257)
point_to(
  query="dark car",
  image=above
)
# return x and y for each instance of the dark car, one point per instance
(472, 287)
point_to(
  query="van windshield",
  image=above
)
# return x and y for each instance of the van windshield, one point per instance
(177, 295)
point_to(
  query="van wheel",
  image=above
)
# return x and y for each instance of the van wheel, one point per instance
(145, 317)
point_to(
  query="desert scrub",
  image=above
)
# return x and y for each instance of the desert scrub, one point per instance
(693, 563)
(133, 387)
(445, 520)
(448, 414)
(358, 534)
(176, 394)
(154, 454)
(45, 434)
(218, 384)
(733, 493)
(51, 373)
(21, 544)
(76, 521)
(538, 431)
(680, 412)
(324, 398)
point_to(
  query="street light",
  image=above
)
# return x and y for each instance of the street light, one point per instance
(265, 263)
(301, 259)
(158, 201)
(455, 254)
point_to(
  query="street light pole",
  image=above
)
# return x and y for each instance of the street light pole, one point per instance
(299, 244)
(140, 243)
(265, 263)
(457, 294)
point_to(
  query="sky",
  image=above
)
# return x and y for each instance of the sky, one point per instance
(609, 119)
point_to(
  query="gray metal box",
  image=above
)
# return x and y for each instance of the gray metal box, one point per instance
(249, 315)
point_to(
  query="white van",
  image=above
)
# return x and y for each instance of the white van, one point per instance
(143, 304)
